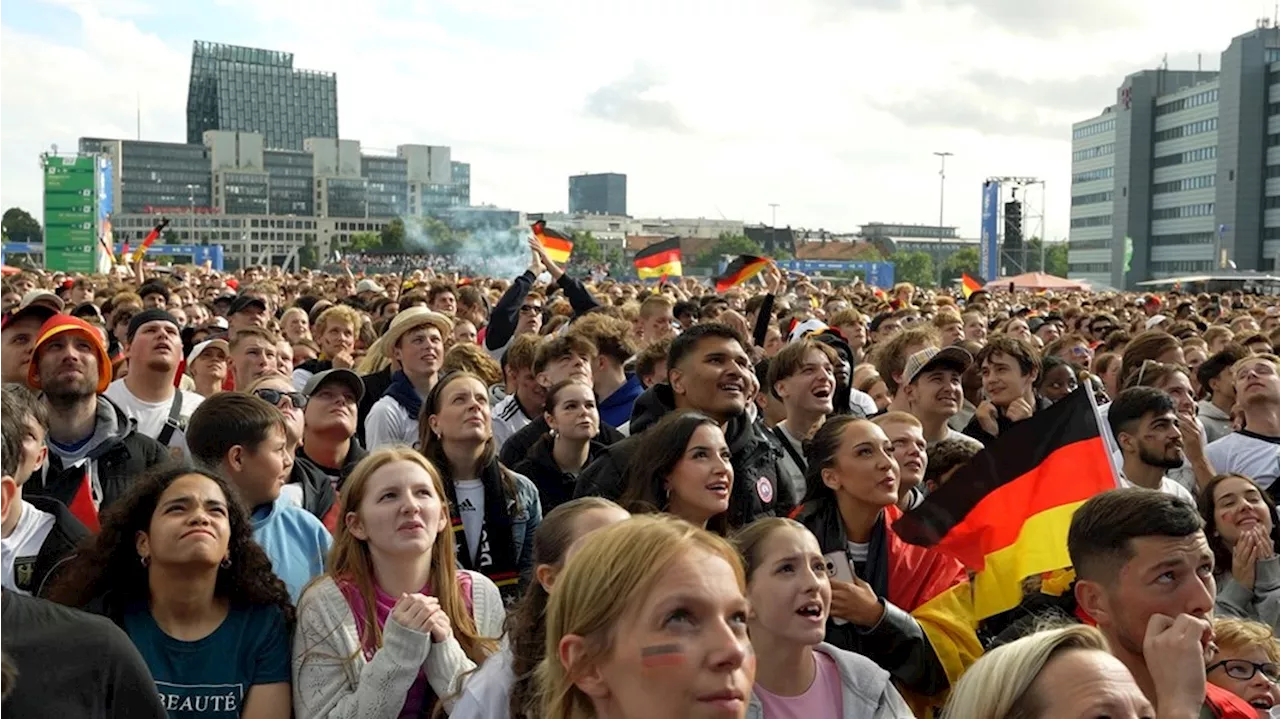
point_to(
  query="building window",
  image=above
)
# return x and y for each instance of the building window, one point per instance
(1088, 244)
(1095, 221)
(1091, 175)
(1190, 183)
(1193, 128)
(1092, 199)
(1094, 129)
(1203, 209)
(1182, 158)
(1183, 238)
(1092, 152)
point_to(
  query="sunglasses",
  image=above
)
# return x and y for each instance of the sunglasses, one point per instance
(530, 309)
(1244, 670)
(273, 397)
(1102, 329)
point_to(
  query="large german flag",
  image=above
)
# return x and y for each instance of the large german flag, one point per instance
(1005, 515)
(970, 284)
(743, 268)
(659, 260)
(557, 244)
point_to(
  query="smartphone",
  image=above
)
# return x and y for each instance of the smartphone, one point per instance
(839, 567)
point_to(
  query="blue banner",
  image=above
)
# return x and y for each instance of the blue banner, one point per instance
(876, 274)
(989, 247)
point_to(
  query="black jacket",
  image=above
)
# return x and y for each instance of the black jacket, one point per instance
(555, 486)
(516, 449)
(313, 486)
(757, 491)
(34, 575)
(505, 315)
(121, 455)
(974, 428)
(375, 385)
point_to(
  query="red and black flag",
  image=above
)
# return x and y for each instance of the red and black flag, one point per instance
(150, 239)
(660, 259)
(557, 244)
(743, 268)
(1005, 514)
(970, 284)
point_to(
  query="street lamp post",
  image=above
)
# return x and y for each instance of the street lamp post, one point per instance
(942, 197)
(191, 198)
(773, 228)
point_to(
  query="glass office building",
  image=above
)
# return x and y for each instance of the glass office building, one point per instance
(600, 194)
(253, 90)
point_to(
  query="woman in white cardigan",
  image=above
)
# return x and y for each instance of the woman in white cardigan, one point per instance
(393, 626)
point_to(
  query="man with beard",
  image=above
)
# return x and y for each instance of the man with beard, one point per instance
(20, 330)
(147, 394)
(415, 340)
(94, 450)
(933, 392)
(1145, 425)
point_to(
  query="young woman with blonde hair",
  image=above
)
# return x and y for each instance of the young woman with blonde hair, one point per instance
(648, 619)
(393, 625)
(797, 673)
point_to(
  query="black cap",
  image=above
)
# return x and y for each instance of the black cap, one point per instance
(243, 302)
(151, 315)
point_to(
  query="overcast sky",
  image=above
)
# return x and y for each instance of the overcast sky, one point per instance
(829, 108)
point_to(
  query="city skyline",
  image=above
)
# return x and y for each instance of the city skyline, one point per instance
(707, 129)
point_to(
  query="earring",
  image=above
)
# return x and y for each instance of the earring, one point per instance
(226, 562)
(146, 560)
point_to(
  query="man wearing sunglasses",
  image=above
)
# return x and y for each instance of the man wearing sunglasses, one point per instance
(148, 393)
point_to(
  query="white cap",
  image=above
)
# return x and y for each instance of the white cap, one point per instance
(1155, 320)
(43, 297)
(196, 351)
(368, 286)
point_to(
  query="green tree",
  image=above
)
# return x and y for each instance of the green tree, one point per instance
(1055, 259)
(170, 237)
(393, 235)
(866, 252)
(914, 267)
(728, 244)
(586, 250)
(966, 260)
(308, 256)
(362, 241)
(20, 226)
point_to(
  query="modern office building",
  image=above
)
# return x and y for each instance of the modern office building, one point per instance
(263, 205)
(251, 90)
(1185, 165)
(599, 194)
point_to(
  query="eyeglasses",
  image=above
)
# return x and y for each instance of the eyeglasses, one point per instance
(273, 397)
(1102, 329)
(1245, 670)
(530, 309)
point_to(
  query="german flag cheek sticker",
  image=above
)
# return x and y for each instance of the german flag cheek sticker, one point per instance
(662, 655)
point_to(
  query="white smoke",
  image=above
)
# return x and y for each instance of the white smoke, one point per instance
(485, 250)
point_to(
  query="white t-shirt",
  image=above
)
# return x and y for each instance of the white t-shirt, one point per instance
(471, 509)
(151, 416)
(1169, 487)
(1246, 453)
(24, 544)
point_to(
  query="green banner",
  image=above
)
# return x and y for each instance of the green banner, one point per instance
(70, 214)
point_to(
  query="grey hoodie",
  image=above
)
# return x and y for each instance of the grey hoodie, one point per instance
(1217, 424)
(1262, 604)
(866, 690)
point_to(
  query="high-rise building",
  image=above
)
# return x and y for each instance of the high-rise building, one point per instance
(1186, 166)
(263, 205)
(599, 194)
(251, 90)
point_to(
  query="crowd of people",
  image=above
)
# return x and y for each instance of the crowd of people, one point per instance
(268, 495)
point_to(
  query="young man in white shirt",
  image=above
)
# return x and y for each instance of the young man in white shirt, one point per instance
(1145, 424)
(148, 393)
(40, 532)
(1254, 451)
(415, 339)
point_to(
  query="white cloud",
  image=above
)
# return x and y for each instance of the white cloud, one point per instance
(831, 108)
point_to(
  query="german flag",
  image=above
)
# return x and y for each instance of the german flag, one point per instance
(970, 284)
(150, 239)
(1005, 515)
(659, 259)
(557, 244)
(743, 268)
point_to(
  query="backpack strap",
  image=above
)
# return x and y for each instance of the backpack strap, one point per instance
(174, 421)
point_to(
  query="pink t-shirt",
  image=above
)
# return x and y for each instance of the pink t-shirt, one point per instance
(822, 699)
(383, 604)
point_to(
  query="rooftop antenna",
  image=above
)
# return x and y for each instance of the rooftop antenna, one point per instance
(1199, 61)
(139, 106)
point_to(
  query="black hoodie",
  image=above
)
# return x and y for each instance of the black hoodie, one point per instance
(555, 486)
(757, 491)
(34, 575)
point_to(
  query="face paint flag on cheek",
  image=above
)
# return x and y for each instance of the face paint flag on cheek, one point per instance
(662, 655)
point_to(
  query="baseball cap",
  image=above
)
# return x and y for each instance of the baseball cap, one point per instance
(368, 286)
(244, 302)
(61, 324)
(217, 343)
(1154, 320)
(932, 357)
(43, 297)
(152, 315)
(41, 312)
(345, 376)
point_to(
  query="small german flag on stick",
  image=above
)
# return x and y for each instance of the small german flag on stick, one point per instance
(557, 244)
(150, 239)
(743, 268)
(659, 259)
(1005, 515)
(970, 284)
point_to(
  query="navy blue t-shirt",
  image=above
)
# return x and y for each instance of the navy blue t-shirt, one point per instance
(210, 678)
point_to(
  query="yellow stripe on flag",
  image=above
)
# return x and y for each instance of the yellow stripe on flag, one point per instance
(951, 627)
(1041, 547)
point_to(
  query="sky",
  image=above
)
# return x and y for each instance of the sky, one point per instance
(832, 109)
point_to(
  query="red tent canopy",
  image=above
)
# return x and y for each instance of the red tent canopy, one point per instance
(1034, 281)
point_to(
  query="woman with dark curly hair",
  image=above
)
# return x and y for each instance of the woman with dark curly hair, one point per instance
(175, 565)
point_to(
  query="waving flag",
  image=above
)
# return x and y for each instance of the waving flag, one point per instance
(659, 260)
(557, 244)
(1005, 514)
(970, 284)
(743, 268)
(150, 239)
